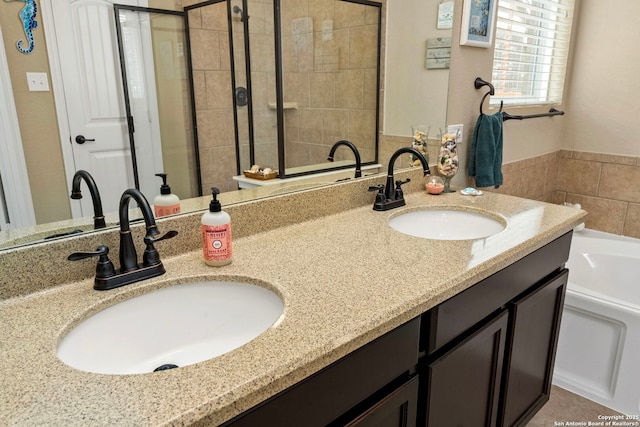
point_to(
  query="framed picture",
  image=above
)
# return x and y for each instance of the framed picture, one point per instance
(445, 15)
(478, 23)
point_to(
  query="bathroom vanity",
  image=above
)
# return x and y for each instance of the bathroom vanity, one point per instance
(482, 358)
(377, 325)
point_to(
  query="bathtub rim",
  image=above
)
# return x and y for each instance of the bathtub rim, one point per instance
(576, 288)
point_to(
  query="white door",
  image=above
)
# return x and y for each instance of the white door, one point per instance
(89, 64)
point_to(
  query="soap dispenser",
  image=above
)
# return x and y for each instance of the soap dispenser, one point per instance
(165, 203)
(216, 233)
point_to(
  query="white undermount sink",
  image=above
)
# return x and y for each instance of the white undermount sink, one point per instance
(171, 327)
(447, 224)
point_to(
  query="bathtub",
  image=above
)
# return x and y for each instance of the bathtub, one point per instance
(599, 345)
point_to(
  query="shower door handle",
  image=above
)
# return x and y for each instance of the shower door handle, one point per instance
(80, 139)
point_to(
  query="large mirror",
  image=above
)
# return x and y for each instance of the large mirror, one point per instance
(322, 89)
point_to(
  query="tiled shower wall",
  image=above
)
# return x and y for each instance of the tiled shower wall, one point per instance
(213, 96)
(330, 73)
(606, 186)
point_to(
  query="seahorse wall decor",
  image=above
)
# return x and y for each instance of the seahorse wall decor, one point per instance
(28, 18)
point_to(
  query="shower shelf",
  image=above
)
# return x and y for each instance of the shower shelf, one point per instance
(287, 105)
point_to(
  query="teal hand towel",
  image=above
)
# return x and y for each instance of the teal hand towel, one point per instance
(485, 159)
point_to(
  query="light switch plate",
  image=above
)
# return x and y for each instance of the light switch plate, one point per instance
(456, 129)
(38, 82)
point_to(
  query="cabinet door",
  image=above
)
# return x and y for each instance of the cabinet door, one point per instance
(398, 409)
(447, 321)
(339, 388)
(463, 385)
(534, 337)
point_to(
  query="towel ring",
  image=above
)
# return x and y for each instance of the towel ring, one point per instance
(478, 83)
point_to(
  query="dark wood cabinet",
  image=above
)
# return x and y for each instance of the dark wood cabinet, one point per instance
(346, 389)
(397, 409)
(452, 318)
(533, 341)
(482, 358)
(489, 351)
(463, 385)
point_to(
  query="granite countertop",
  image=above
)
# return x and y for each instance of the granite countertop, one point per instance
(345, 279)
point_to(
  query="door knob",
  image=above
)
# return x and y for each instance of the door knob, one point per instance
(80, 139)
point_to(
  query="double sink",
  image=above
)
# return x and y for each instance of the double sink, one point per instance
(188, 323)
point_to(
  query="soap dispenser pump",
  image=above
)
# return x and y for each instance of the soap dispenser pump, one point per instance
(216, 233)
(165, 203)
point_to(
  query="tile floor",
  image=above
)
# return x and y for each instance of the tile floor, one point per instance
(564, 406)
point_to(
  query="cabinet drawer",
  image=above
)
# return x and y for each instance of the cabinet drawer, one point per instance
(328, 394)
(459, 313)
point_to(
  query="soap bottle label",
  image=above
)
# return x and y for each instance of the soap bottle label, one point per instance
(216, 242)
(166, 210)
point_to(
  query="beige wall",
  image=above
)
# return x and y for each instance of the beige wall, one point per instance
(37, 116)
(413, 94)
(603, 93)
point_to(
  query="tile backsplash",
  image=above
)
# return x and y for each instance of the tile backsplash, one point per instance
(607, 186)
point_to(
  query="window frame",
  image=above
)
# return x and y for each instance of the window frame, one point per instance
(521, 33)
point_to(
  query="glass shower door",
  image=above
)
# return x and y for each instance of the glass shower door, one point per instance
(158, 97)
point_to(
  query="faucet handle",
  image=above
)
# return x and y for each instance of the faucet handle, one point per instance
(149, 240)
(104, 268)
(151, 255)
(380, 189)
(398, 193)
(381, 199)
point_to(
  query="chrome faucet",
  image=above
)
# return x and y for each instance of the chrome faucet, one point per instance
(388, 196)
(356, 153)
(107, 277)
(76, 194)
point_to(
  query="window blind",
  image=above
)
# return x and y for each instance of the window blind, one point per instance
(531, 51)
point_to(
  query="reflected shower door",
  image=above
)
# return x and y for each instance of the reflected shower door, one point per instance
(158, 98)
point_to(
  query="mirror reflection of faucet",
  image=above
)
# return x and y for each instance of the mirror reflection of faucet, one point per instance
(388, 196)
(107, 277)
(355, 151)
(76, 194)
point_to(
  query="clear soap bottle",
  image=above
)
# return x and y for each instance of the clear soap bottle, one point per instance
(165, 203)
(216, 234)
